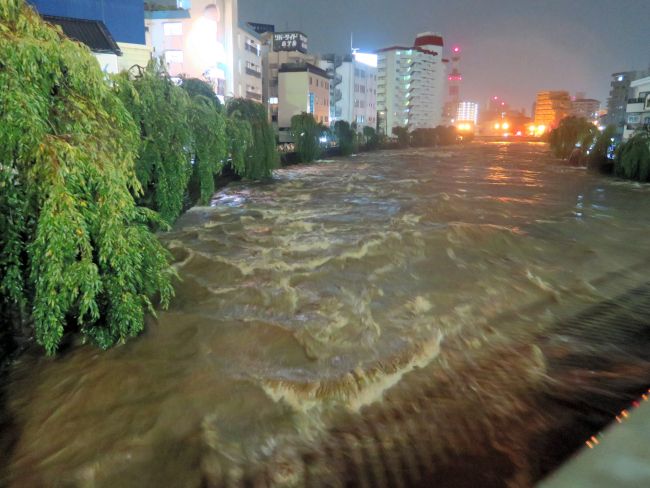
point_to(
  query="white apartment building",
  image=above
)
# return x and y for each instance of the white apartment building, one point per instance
(411, 84)
(353, 90)
(638, 107)
(248, 64)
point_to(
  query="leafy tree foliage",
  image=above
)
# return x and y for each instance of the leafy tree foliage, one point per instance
(346, 137)
(403, 137)
(75, 250)
(571, 132)
(208, 134)
(161, 110)
(598, 158)
(306, 132)
(371, 137)
(633, 158)
(260, 157)
(194, 87)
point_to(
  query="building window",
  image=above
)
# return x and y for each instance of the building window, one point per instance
(173, 28)
(173, 57)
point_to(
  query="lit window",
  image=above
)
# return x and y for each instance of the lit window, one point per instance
(173, 28)
(173, 57)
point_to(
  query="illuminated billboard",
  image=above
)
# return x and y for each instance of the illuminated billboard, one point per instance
(208, 47)
(290, 41)
(197, 42)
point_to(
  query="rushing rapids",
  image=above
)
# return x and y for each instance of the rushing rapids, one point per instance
(379, 321)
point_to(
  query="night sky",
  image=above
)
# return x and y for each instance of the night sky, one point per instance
(512, 48)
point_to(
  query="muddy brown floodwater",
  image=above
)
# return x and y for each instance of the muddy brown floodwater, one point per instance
(392, 319)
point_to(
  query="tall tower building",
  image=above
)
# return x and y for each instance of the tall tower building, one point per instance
(454, 80)
(411, 84)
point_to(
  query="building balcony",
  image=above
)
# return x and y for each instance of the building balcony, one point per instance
(252, 49)
(635, 107)
(253, 72)
(254, 96)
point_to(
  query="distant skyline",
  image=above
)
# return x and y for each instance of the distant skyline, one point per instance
(511, 48)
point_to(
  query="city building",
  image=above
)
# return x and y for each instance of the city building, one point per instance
(278, 49)
(248, 64)
(302, 88)
(353, 88)
(113, 30)
(618, 96)
(411, 84)
(197, 39)
(586, 108)
(638, 107)
(454, 84)
(550, 108)
(466, 116)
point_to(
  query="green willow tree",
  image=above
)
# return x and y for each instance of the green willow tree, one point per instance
(260, 157)
(306, 133)
(371, 137)
(571, 132)
(598, 157)
(76, 253)
(208, 136)
(162, 111)
(633, 158)
(346, 137)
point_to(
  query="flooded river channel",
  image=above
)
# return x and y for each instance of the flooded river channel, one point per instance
(464, 315)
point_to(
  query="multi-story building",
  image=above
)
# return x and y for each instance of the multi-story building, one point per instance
(454, 81)
(638, 107)
(279, 48)
(618, 96)
(115, 35)
(353, 88)
(467, 112)
(196, 39)
(586, 108)
(550, 108)
(248, 64)
(302, 88)
(410, 84)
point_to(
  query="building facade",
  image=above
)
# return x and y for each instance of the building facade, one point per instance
(353, 88)
(618, 96)
(121, 20)
(196, 39)
(550, 108)
(586, 108)
(248, 64)
(280, 48)
(638, 108)
(467, 112)
(302, 88)
(411, 85)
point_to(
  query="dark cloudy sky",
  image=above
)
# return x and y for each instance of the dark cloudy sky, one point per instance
(512, 48)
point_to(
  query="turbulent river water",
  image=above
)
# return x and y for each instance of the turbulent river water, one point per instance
(382, 320)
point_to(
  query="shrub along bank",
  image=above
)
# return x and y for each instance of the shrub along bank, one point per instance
(579, 141)
(89, 168)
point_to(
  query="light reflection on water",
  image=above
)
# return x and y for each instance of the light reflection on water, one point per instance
(306, 299)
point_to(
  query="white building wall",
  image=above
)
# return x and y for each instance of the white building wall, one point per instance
(248, 66)
(411, 87)
(638, 107)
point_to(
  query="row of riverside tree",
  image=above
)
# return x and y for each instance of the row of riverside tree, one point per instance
(579, 141)
(89, 169)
